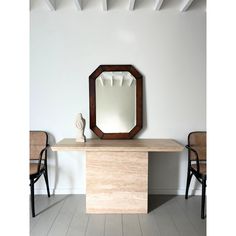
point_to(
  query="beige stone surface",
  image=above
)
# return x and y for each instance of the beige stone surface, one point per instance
(147, 145)
(116, 182)
(117, 172)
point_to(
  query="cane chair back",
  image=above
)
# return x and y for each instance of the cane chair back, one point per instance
(197, 141)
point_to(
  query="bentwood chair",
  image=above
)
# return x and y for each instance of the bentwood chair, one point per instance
(197, 163)
(38, 161)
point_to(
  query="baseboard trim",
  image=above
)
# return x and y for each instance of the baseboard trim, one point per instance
(174, 191)
(60, 191)
(150, 191)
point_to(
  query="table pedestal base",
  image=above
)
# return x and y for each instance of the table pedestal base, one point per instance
(116, 182)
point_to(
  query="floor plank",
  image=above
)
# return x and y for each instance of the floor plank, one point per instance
(131, 225)
(184, 226)
(40, 203)
(164, 222)
(48, 216)
(63, 220)
(79, 221)
(96, 225)
(113, 225)
(192, 209)
(149, 225)
(66, 215)
(78, 225)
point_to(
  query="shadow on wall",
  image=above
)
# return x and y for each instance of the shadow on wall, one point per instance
(56, 169)
(144, 110)
(164, 173)
(92, 135)
(167, 175)
(52, 163)
(163, 178)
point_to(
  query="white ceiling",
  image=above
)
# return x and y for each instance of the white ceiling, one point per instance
(129, 5)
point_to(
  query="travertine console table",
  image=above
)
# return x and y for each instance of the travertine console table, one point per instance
(117, 172)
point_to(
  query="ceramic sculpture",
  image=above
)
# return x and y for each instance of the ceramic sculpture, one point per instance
(80, 125)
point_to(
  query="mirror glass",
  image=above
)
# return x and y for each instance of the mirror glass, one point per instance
(116, 102)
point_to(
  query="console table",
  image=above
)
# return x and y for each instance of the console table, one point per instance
(117, 171)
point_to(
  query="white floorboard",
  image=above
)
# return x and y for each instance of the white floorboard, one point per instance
(113, 225)
(47, 216)
(66, 215)
(192, 209)
(148, 225)
(96, 225)
(183, 225)
(131, 225)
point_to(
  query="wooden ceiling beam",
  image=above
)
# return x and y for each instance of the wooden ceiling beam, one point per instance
(186, 5)
(78, 4)
(104, 5)
(131, 5)
(158, 4)
(51, 4)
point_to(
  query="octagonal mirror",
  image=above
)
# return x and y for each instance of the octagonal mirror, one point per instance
(115, 97)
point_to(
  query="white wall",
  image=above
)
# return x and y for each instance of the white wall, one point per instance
(167, 47)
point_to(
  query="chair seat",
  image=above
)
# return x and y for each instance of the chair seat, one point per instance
(202, 167)
(34, 168)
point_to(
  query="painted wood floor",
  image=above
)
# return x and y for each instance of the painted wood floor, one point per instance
(169, 215)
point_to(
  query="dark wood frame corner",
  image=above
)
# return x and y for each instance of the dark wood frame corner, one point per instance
(139, 101)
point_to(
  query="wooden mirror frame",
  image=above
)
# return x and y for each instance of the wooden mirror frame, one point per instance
(139, 101)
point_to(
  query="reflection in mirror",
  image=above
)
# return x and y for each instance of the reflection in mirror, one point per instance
(116, 102)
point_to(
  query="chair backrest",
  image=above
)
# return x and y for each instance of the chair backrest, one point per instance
(197, 141)
(38, 141)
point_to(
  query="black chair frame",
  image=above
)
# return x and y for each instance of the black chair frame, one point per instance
(201, 178)
(40, 170)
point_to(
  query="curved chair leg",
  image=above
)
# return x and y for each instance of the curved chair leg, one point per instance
(189, 177)
(46, 180)
(32, 196)
(203, 198)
